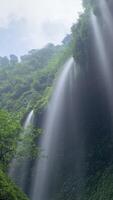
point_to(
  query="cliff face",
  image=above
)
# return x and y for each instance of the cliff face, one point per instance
(84, 161)
(94, 105)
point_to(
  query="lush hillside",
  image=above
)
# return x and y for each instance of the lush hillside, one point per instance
(23, 83)
(83, 164)
(9, 134)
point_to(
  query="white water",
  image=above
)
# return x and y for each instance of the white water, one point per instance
(17, 168)
(50, 137)
(29, 120)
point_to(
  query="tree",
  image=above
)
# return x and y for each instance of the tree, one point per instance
(9, 131)
(67, 39)
(13, 59)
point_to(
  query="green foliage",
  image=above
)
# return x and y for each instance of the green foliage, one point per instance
(22, 84)
(9, 131)
(27, 144)
(43, 100)
(100, 186)
(8, 190)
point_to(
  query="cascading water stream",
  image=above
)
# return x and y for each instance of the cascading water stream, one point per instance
(29, 120)
(18, 168)
(52, 136)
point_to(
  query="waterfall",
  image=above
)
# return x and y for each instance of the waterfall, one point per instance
(29, 120)
(59, 108)
(105, 66)
(18, 170)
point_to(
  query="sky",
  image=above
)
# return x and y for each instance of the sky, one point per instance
(31, 24)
